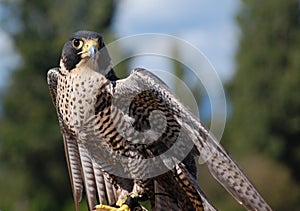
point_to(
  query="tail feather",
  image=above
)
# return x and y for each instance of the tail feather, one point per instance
(163, 201)
(192, 190)
(226, 171)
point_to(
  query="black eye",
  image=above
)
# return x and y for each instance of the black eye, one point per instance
(77, 43)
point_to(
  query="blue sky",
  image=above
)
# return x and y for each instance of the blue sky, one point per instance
(8, 58)
(208, 25)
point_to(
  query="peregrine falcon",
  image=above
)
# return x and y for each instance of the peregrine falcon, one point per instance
(129, 140)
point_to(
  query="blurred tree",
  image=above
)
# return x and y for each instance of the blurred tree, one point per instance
(33, 169)
(264, 92)
(186, 85)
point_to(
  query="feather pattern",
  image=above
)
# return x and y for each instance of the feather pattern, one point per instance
(134, 135)
(219, 162)
(88, 177)
(81, 168)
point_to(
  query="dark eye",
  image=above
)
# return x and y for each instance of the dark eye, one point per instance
(77, 43)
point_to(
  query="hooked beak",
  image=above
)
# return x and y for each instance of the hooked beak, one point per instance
(90, 49)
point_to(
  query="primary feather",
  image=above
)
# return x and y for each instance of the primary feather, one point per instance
(134, 135)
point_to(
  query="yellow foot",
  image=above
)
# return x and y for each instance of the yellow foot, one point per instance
(124, 207)
(131, 203)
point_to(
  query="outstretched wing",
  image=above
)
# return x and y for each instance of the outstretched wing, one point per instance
(140, 94)
(83, 172)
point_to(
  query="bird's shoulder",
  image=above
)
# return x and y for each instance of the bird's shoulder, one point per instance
(52, 76)
(139, 80)
(145, 76)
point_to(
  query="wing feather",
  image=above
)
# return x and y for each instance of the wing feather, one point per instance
(82, 170)
(74, 167)
(100, 184)
(70, 145)
(220, 164)
(162, 200)
(88, 177)
(224, 169)
(110, 192)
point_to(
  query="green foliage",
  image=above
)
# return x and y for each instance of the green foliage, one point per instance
(33, 169)
(264, 92)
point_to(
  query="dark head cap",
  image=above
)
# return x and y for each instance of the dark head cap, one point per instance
(81, 45)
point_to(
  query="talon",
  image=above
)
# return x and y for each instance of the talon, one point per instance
(124, 207)
(131, 203)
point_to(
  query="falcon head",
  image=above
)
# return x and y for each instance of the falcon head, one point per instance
(83, 47)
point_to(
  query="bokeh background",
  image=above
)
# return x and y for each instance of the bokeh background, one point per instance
(253, 45)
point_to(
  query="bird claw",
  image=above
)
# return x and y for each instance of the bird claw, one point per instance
(124, 207)
(131, 203)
